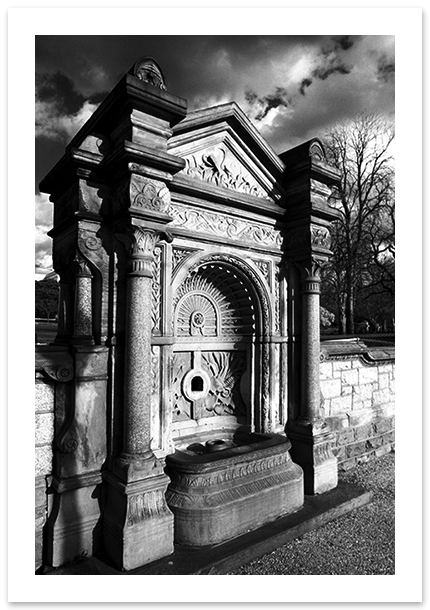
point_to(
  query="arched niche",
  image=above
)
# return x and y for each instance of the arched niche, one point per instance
(220, 373)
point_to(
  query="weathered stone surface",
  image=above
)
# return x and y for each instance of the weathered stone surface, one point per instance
(43, 460)
(44, 428)
(360, 417)
(360, 393)
(383, 379)
(326, 370)
(338, 422)
(44, 397)
(363, 432)
(341, 404)
(350, 377)
(330, 388)
(368, 375)
(346, 437)
(342, 365)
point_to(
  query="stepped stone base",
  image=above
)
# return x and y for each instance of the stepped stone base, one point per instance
(218, 496)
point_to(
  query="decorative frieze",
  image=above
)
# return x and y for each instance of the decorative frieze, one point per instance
(224, 226)
(232, 473)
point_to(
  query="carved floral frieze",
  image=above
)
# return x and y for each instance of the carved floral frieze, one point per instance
(218, 166)
(224, 226)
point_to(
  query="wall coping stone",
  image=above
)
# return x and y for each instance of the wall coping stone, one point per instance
(355, 348)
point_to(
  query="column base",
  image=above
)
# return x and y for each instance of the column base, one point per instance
(73, 526)
(311, 449)
(137, 524)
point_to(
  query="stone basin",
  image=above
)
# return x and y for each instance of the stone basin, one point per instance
(228, 486)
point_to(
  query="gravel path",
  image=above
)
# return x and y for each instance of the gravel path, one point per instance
(361, 542)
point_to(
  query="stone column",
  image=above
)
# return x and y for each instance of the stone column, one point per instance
(311, 438)
(310, 373)
(138, 524)
(83, 330)
(138, 376)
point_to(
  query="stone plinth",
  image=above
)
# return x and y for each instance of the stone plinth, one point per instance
(138, 526)
(312, 449)
(220, 495)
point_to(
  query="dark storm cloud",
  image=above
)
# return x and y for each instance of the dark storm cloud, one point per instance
(306, 82)
(323, 73)
(273, 100)
(385, 69)
(344, 42)
(59, 89)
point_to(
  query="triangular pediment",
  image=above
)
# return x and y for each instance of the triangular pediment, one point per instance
(222, 148)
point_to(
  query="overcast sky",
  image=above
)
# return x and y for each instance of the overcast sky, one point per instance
(291, 87)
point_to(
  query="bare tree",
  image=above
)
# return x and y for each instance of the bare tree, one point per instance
(363, 238)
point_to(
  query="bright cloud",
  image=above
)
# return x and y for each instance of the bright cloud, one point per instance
(43, 243)
(52, 124)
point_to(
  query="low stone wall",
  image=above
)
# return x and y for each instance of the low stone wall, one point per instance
(50, 377)
(357, 399)
(44, 435)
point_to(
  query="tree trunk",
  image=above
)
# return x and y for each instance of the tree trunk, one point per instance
(350, 306)
(342, 316)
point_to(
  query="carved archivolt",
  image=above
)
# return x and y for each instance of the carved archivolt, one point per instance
(224, 226)
(212, 302)
(218, 166)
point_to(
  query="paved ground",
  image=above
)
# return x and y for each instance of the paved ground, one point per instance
(361, 542)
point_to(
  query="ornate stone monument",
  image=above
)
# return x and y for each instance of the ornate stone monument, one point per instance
(189, 256)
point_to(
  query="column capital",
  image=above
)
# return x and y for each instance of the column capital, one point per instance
(140, 242)
(310, 274)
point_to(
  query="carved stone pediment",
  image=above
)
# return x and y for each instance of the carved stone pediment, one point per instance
(222, 148)
(219, 166)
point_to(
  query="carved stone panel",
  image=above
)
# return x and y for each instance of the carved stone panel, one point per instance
(181, 404)
(225, 370)
(209, 383)
(217, 165)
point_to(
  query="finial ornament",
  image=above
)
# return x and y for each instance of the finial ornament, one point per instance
(148, 71)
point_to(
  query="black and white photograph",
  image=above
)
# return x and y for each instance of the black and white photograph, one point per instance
(216, 307)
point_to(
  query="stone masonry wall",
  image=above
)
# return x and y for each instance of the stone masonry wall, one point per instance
(357, 398)
(44, 434)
